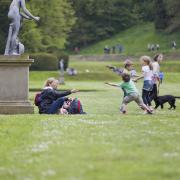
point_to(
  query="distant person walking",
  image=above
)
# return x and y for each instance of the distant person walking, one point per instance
(157, 47)
(152, 47)
(149, 47)
(114, 49)
(174, 45)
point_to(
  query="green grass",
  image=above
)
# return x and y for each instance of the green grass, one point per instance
(98, 72)
(135, 40)
(100, 145)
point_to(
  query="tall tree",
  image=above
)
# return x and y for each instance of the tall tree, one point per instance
(144, 9)
(173, 7)
(100, 19)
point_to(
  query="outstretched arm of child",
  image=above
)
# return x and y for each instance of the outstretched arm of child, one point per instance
(111, 84)
(111, 67)
(74, 91)
(135, 80)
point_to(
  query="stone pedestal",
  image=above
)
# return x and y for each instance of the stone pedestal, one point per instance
(14, 85)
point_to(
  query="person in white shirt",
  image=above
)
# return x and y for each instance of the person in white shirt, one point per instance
(156, 80)
(147, 74)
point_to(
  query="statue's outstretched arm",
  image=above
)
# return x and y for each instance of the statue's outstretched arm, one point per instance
(23, 6)
(25, 16)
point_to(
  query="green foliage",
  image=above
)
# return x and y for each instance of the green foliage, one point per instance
(4, 24)
(56, 22)
(44, 62)
(100, 19)
(161, 15)
(173, 7)
(144, 9)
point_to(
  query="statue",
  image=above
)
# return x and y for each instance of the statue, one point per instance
(13, 45)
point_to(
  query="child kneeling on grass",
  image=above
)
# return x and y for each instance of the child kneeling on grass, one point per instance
(131, 94)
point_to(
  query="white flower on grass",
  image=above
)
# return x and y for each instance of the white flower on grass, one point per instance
(170, 154)
(40, 147)
(49, 172)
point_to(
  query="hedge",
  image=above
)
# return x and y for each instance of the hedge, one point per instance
(47, 62)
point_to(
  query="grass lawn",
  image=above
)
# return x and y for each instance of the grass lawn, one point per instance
(100, 145)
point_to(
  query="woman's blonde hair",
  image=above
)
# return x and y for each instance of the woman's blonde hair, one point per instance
(147, 60)
(49, 81)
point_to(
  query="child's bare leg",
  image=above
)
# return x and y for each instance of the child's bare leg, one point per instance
(139, 101)
(123, 108)
(126, 100)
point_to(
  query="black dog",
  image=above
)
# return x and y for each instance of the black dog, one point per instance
(160, 100)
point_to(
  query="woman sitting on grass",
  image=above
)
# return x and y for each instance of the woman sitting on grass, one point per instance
(131, 94)
(51, 100)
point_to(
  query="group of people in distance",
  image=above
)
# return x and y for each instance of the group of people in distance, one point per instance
(153, 47)
(150, 74)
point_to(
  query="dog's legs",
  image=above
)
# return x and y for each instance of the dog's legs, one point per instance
(162, 106)
(172, 104)
(157, 105)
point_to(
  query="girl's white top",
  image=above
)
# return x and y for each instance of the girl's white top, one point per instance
(148, 74)
(156, 67)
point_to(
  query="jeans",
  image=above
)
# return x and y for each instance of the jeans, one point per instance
(55, 106)
(146, 97)
(148, 85)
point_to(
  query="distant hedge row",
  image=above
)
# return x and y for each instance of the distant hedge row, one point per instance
(48, 62)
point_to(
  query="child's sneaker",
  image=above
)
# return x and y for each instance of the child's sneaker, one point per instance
(151, 108)
(149, 112)
(123, 112)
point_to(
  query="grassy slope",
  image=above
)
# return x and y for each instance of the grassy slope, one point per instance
(135, 40)
(100, 145)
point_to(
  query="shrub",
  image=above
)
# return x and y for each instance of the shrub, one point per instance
(44, 62)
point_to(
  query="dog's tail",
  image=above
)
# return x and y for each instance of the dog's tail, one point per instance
(177, 97)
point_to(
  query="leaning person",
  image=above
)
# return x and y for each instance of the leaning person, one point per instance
(51, 100)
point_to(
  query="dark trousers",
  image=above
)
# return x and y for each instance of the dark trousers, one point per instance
(56, 105)
(146, 97)
(154, 92)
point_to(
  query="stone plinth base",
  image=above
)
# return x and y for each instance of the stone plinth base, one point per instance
(16, 108)
(14, 85)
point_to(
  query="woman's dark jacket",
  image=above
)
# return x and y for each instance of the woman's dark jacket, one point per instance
(48, 96)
